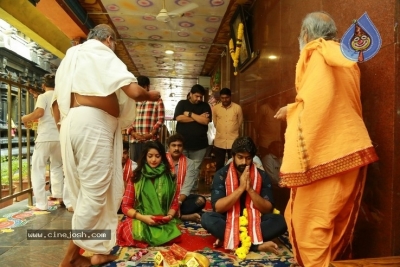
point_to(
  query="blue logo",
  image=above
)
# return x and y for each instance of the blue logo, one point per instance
(361, 41)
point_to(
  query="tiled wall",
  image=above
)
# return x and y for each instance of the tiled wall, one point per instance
(267, 84)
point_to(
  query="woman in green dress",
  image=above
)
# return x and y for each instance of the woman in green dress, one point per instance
(150, 202)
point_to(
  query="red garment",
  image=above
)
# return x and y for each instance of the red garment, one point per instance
(127, 172)
(231, 240)
(124, 231)
(180, 176)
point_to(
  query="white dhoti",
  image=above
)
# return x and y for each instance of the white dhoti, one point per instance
(42, 153)
(66, 197)
(91, 146)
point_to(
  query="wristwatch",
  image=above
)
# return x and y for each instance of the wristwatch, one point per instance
(190, 114)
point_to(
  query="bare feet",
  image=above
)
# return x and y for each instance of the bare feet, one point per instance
(72, 257)
(78, 261)
(98, 259)
(36, 209)
(195, 217)
(268, 246)
(217, 243)
(70, 209)
(81, 261)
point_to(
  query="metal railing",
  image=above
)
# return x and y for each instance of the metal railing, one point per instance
(16, 156)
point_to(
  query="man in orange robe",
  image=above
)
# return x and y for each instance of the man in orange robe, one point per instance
(327, 147)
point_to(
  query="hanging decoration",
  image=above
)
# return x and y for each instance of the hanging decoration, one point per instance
(217, 77)
(361, 41)
(235, 52)
(216, 81)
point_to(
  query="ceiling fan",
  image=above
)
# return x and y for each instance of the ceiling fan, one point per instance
(165, 16)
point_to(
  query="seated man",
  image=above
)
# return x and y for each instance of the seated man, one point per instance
(237, 186)
(128, 165)
(191, 205)
(273, 160)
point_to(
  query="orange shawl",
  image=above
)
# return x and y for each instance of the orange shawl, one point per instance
(180, 176)
(325, 132)
(231, 240)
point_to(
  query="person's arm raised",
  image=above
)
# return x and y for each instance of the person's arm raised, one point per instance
(281, 114)
(138, 93)
(261, 204)
(226, 203)
(35, 115)
(262, 201)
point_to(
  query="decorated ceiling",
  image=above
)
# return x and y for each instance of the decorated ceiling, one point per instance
(197, 31)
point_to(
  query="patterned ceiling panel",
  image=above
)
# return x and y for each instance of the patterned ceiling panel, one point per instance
(197, 37)
(145, 38)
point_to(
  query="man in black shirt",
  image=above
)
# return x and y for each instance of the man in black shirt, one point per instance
(193, 116)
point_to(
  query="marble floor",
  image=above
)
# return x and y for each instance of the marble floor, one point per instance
(17, 251)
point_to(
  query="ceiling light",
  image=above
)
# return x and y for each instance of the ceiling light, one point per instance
(169, 52)
(272, 57)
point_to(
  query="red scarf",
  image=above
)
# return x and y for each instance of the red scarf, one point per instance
(128, 172)
(180, 176)
(232, 182)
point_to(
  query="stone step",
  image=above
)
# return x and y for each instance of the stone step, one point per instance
(369, 262)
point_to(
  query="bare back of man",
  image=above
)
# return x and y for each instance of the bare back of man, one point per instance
(108, 103)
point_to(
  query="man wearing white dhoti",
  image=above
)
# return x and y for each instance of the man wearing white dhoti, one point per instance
(92, 110)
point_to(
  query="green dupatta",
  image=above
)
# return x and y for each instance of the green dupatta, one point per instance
(154, 193)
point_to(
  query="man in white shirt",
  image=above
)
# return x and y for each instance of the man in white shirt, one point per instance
(47, 146)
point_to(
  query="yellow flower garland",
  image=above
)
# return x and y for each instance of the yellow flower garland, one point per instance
(236, 53)
(242, 251)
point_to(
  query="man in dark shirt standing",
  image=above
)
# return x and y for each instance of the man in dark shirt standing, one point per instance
(241, 185)
(193, 116)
